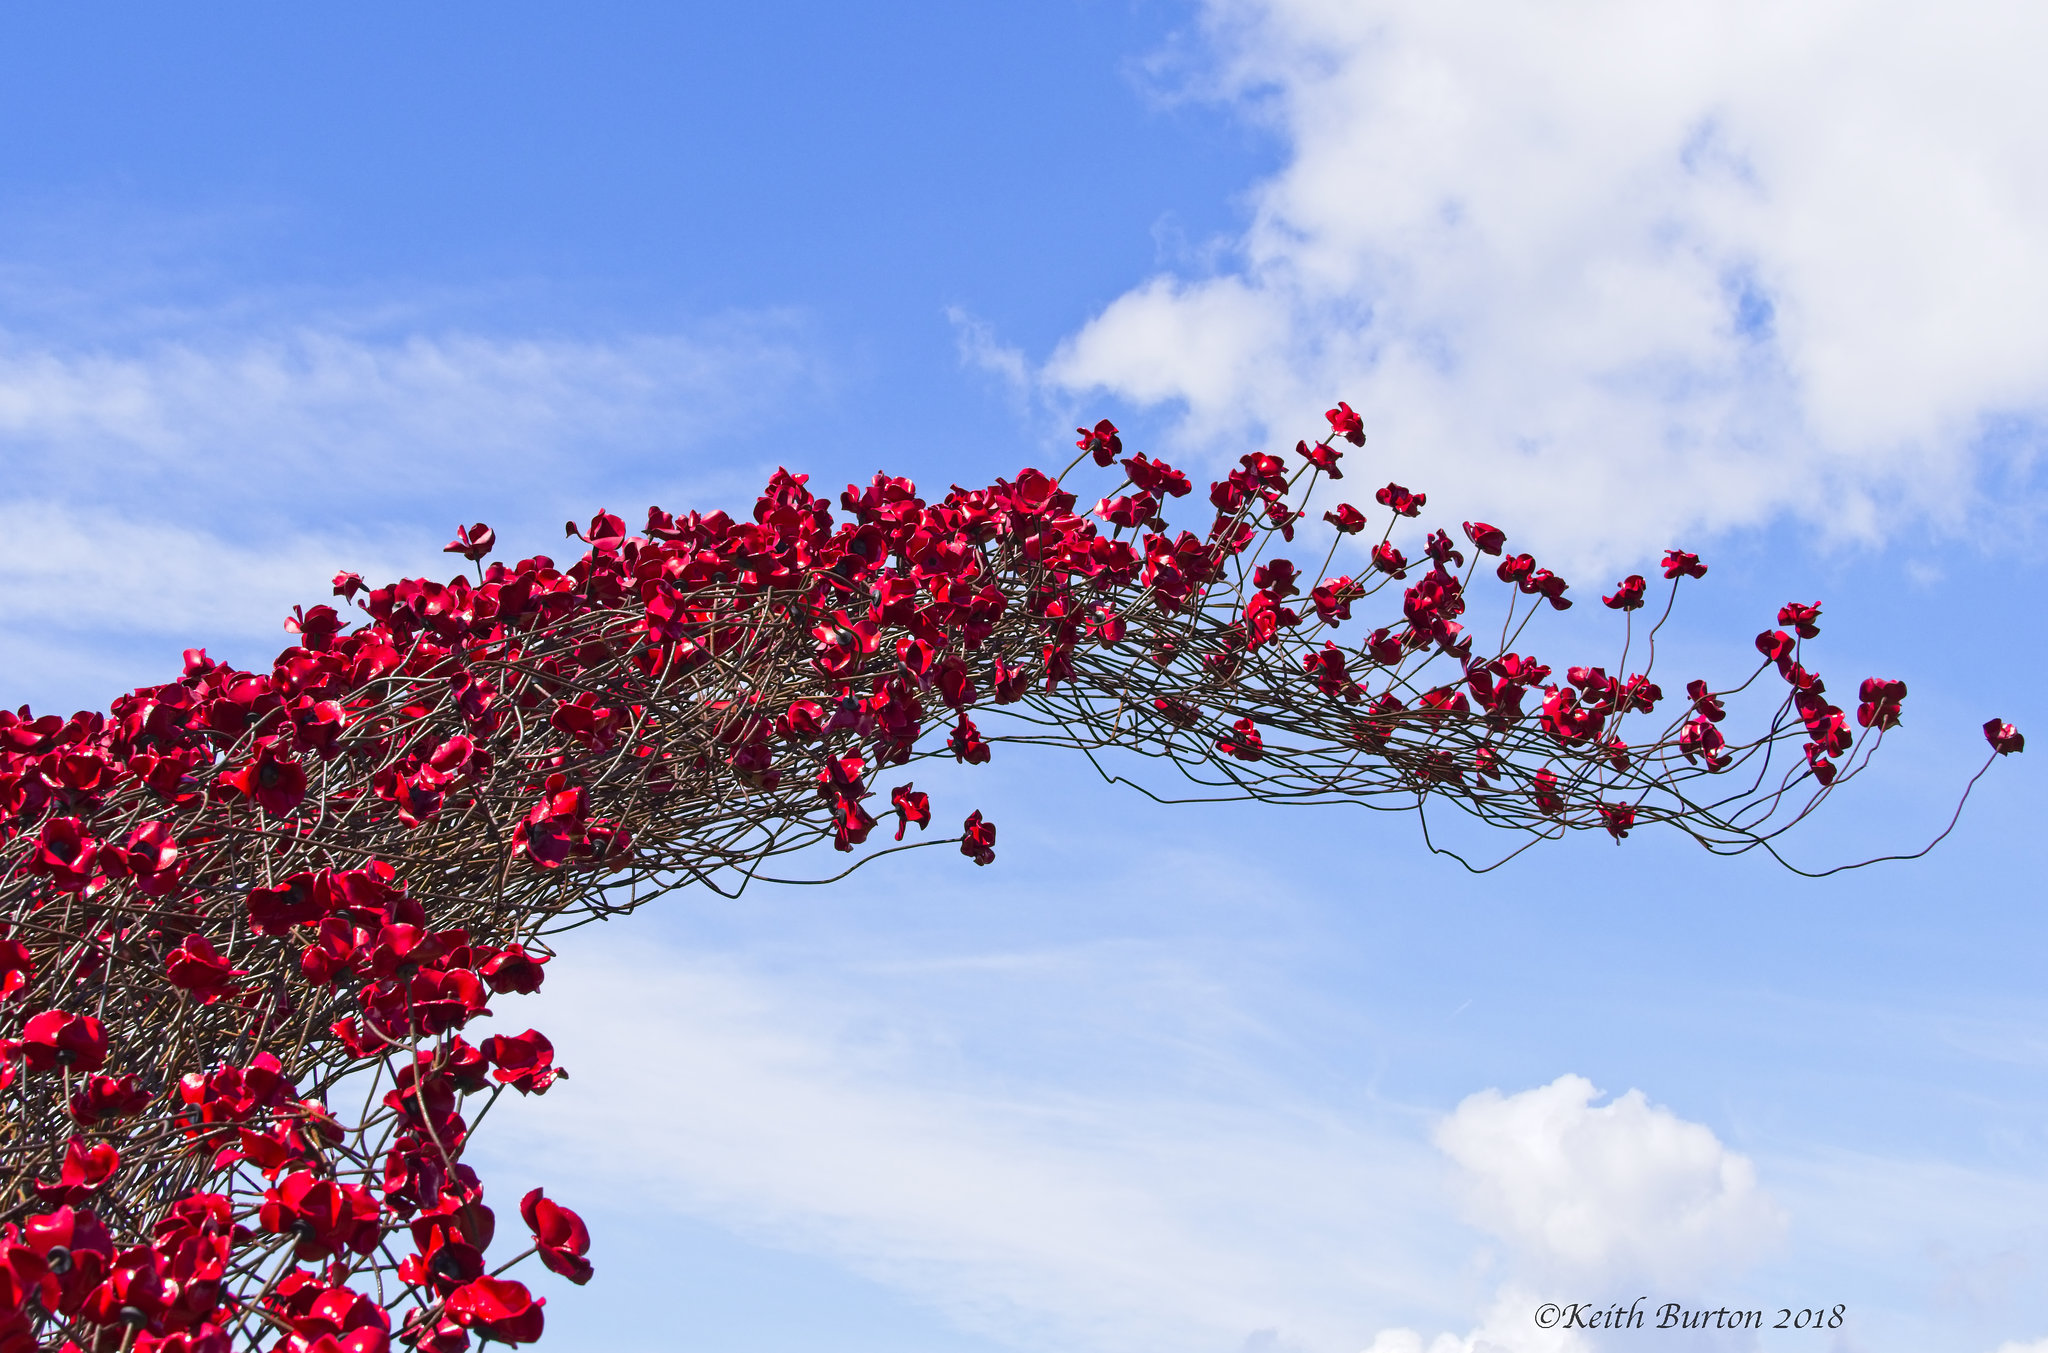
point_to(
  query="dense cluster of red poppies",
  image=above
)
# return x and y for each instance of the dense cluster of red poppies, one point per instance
(239, 901)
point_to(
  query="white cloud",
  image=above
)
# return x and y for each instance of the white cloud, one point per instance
(70, 567)
(1045, 1216)
(2015, 1346)
(1628, 271)
(1591, 1200)
(314, 422)
(199, 485)
(1508, 1326)
(1625, 1189)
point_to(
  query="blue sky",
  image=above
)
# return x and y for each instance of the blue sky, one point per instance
(284, 293)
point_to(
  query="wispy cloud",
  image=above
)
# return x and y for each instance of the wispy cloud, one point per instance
(199, 482)
(312, 421)
(1159, 1217)
(1624, 274)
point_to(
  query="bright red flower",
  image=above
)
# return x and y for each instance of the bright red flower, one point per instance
(87, 1165)
(53, 1038)
(1333, 598)
(2003, 737)
(148, 854)
(17, 969)
(1775, 645)
(912, 806)
(978, 841)
(1243, 741)
(552, 828)
(1157, 477)
(1704, 702)
(1550, 586)
(1101, 442)
(515, 969)
(339, 1321)
(474, 542)
(67, 853)
(526, 1062)
(1801, 617)
(1486, 539)
(1679, 564)
(1879, 703)
(1404, 503)
(607, 530)
(498, 1308)
(276, 782)
(1347, 519)
(316, 628)
(196, 967)
(326, 1217)
(1617, 818)
(1346, 424)
(302, 899)
(1130, 511)
(104, 1097)
(1628, 596)
(1389, 560)
(559, 1235)
(1321, 455)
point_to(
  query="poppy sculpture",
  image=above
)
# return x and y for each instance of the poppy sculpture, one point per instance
(232, 892)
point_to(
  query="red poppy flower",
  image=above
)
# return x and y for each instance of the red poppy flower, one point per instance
(1321, 455)
(53, 1038)
(17, 970)
(559, 1235)
(498, 1308)
(87, 1165)
(1157, 477)
(340, 1321)
(275, 782)
(474, 542)
(1879, 703)
(912, 806)
(107, 1097)
(1404, 503)
(67, 853)
(1801, 617)
(1101, 442)
(199, 969)
(302, 899)
(1775, 645)
(523, 1061)
(148, 854)
(551, 829)
(1486, 539)
(1243, 741)
(2003, 737)
(515, 969)
(1347, 519)
(1679, 564)
(1617, 818)
(1628, 596)
(978, 842)
(1346, 423)
(325, 1216)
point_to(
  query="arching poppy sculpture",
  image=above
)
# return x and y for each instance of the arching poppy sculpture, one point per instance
(234, 893)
